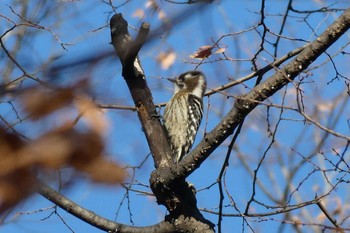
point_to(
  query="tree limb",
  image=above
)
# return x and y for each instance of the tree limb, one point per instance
(246, 103)
(330, 218)
(127, 51)
(94, 219)
(175, 194)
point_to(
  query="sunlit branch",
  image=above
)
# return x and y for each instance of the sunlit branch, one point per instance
(127, 51)
(115, 106)
(246, 103)
(91, 217)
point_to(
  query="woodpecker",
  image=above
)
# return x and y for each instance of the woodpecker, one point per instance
(183, 113)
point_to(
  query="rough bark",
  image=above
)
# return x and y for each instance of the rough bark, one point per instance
(175, 194)
(168, 181)
(246, 103)
(127, 50)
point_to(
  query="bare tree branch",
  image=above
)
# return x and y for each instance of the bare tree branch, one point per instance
(333, 221)
(94, 219)
(127, 51)
(176, 194)
(246, 103)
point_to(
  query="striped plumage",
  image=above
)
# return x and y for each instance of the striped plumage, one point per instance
(183, 113)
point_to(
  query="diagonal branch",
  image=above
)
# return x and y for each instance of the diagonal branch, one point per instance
(94, 219)
(330, 218)
(258, 73)
(246, 103)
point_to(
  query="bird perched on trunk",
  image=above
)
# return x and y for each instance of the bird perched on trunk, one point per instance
(183, 113)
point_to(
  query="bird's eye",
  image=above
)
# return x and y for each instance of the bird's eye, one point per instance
(181, 78)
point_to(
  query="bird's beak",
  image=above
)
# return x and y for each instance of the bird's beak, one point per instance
(173, 80)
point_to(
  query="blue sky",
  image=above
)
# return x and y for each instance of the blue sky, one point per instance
(83, 25)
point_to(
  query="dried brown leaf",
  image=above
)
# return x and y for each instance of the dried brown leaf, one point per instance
(15, 187)
(166, 59)
(203, 52)
(16, 182)
(49, 151)
(139, 13)
(39, 103)
(152, 5)
(93, 115)
(161, 15)
(220, 50)
(9, 142)
(20, 161)
(104, 171)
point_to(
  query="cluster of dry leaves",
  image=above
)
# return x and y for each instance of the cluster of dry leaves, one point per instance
(64, 146)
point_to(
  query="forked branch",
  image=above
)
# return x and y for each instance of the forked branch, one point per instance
(175, 194)
(127, 51)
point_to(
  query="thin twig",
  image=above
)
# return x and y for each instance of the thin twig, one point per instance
(333, 221)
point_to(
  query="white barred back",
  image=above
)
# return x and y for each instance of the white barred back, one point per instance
(184, 112)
